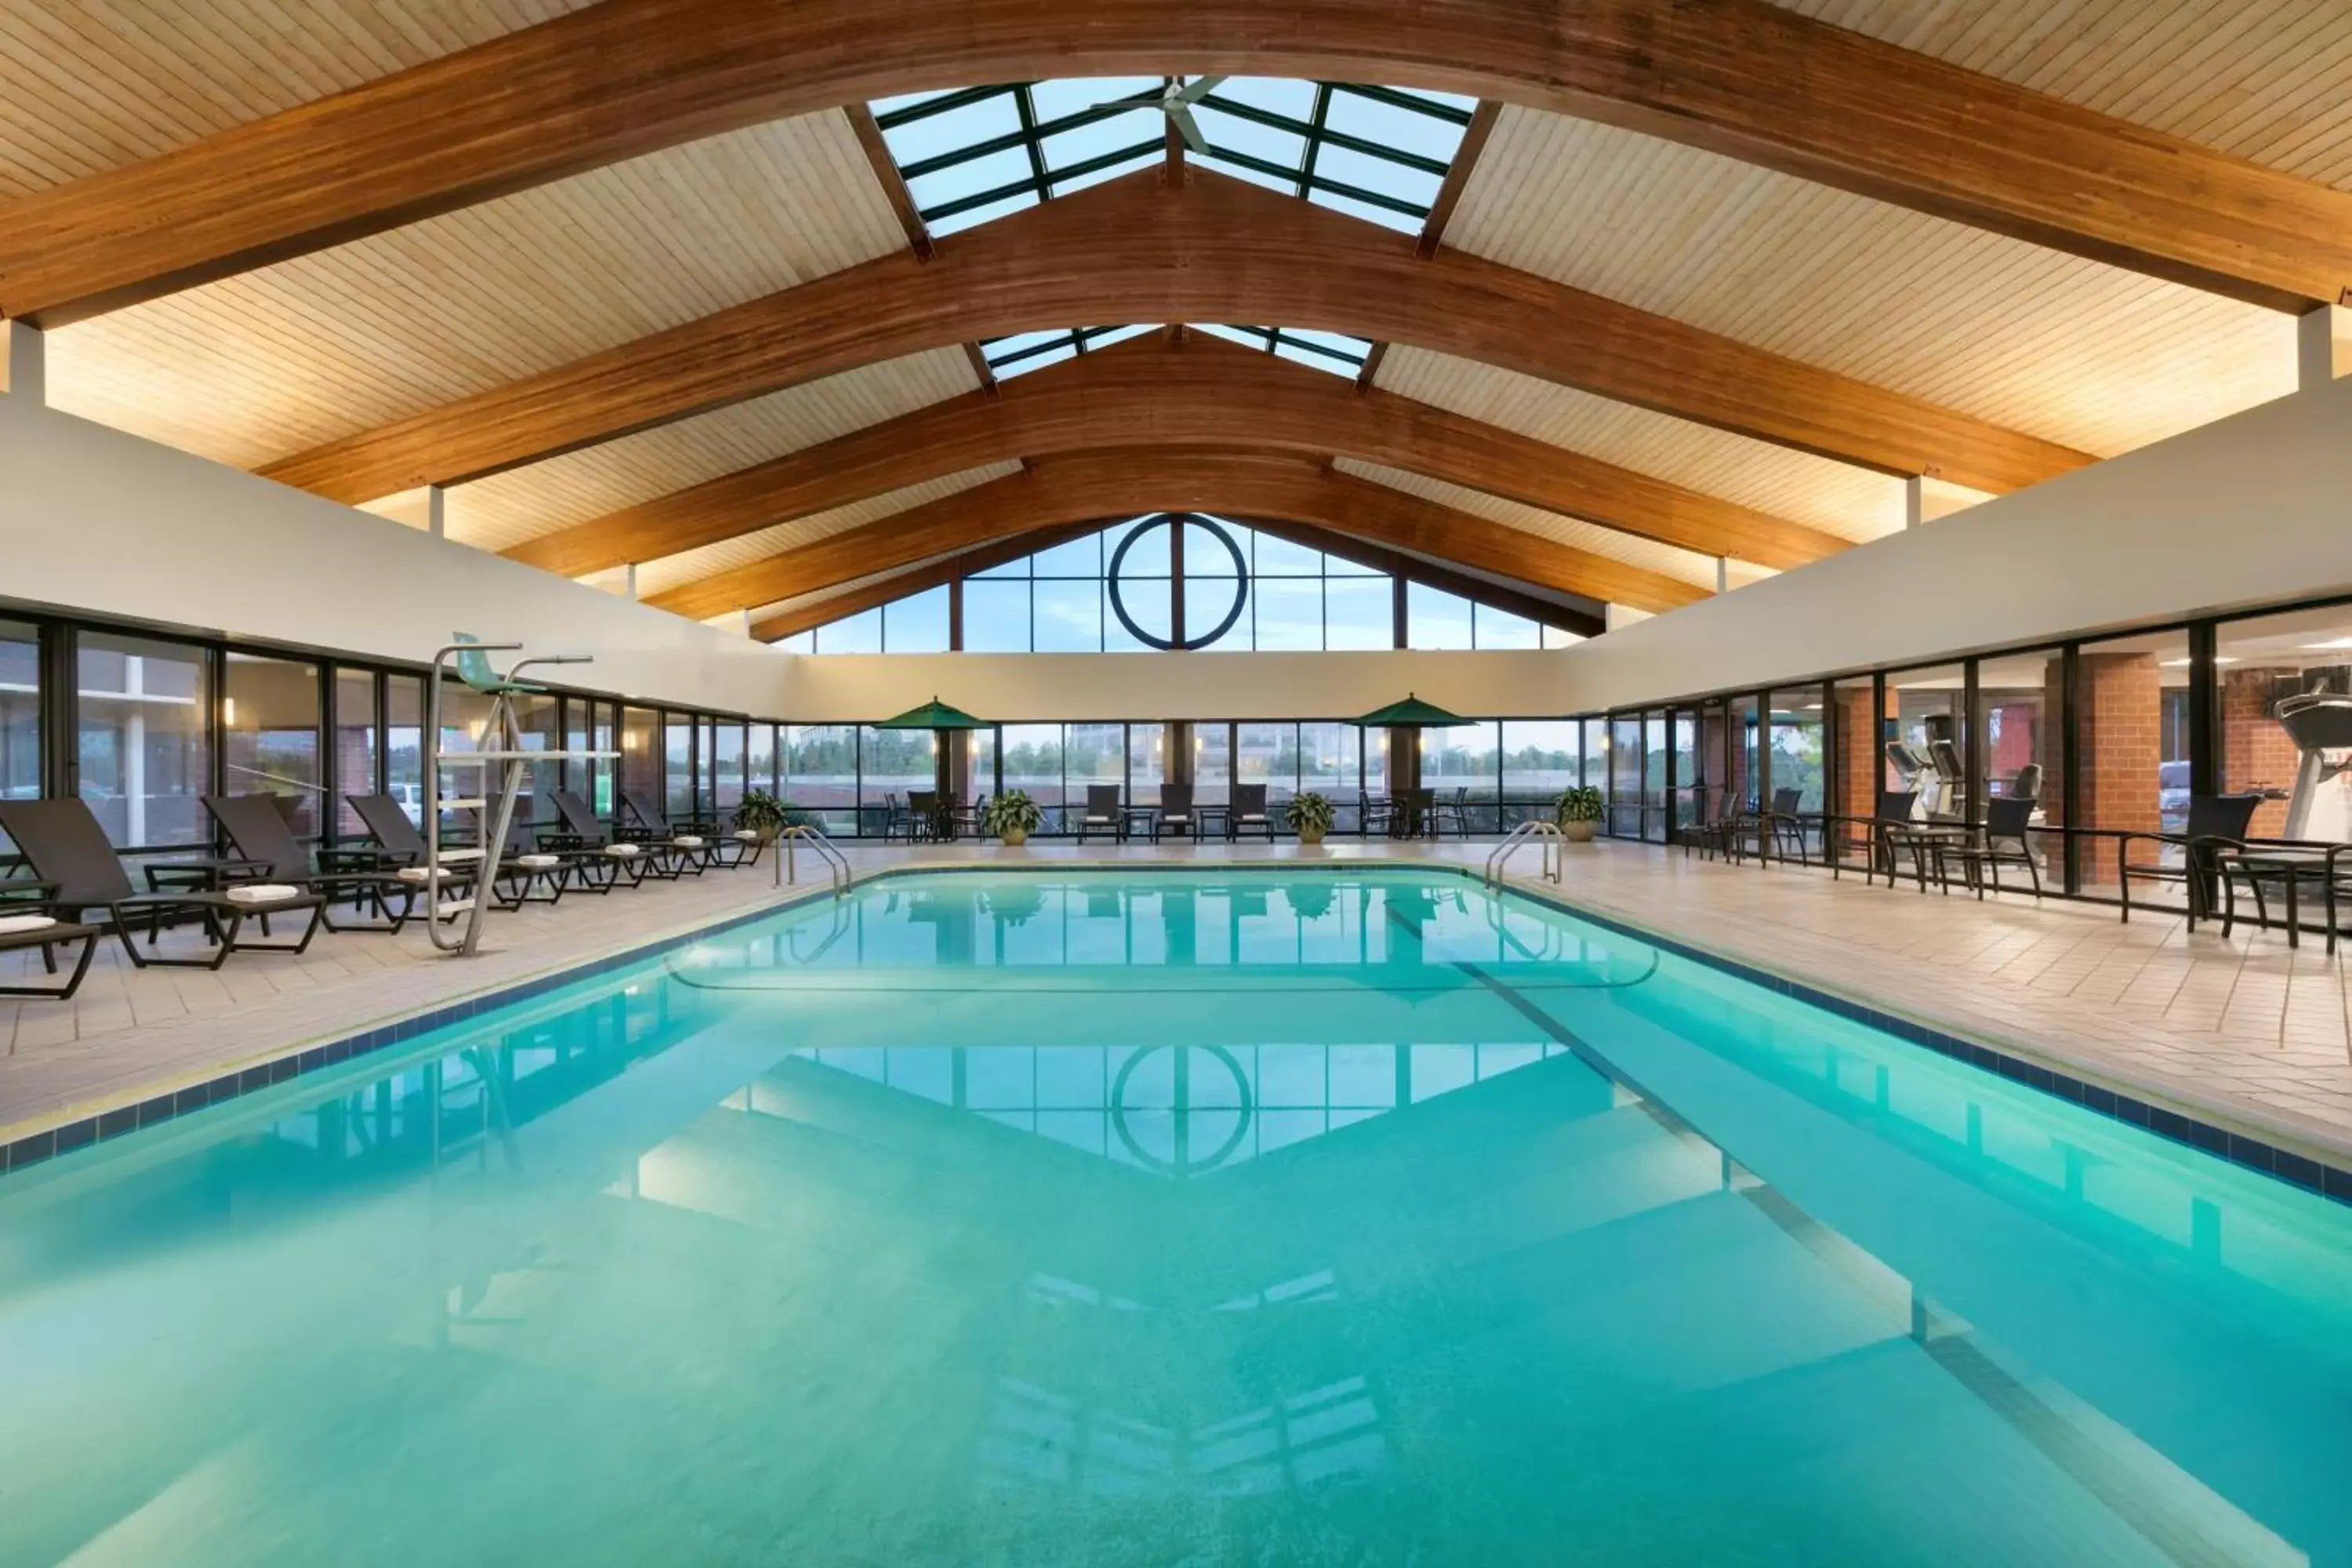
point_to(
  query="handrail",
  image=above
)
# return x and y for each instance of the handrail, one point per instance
(1547, 832)
(836, 864)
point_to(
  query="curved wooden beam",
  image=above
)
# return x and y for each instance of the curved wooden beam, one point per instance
(1149, 393)
(628, 76)
(1091, 486)
(1215, 249)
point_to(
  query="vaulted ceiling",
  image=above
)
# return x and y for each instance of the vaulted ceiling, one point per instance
(780, 304)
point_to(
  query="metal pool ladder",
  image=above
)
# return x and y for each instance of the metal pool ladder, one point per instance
(836, 865)
(1547, 834)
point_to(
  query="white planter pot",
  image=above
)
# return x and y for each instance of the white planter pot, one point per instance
(1015, 837)
(1578, 832)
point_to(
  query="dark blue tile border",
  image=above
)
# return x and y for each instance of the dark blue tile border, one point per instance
(36, 1147)
(2301, 1171)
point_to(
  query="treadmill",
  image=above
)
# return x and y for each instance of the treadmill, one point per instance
(2320, 724)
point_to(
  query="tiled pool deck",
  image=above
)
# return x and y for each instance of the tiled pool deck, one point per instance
(2246, 1036)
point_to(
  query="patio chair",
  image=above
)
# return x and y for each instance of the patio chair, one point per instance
(1453, 812)
(2001, 840)
(29, 919)
(68, 850)
(2216, 823)
(257, 829)
(1784, 826)
(1373, 813)
(399, 849)
(685, 849)
(922, 816)
(1102, 814)
(1175, 812)
(529, 874)
(1249, 814)
(605, 860)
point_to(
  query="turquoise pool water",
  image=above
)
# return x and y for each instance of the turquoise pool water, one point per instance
(1172, 1219)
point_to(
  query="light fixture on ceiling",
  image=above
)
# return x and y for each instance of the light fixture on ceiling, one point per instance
(2332, 645)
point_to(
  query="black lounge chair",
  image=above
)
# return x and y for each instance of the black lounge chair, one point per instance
(603, 859)
(67, 849)
(257, 829)
(1102, 812)
(1249, 814)
(526, 873)
(399, 850)
(29, 919)
(2217, 823)
(675, 852)
(1175, 812)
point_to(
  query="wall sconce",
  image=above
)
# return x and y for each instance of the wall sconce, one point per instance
(229, 710)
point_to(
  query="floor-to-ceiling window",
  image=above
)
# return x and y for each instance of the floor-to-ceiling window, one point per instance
(1212, 764)
(269, 734)
(2266, 672)
(20, 712)
(892, 765)
(1923, 755)
(1656, 768)
(679, 798)
(1625, 775)
(1093, 755)
(1797, 759)
(821, 773)
(355, 746)
(760, 758)
(1267, 755)
(1463, 764)
(726, 767)
(403, 742)
(537, 715)
(1332, 764)
(1541, 757)
(642, 763)
(145, 741)
(1031, 761)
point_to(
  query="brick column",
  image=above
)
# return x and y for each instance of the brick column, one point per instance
(1858, 750)
(2119, 730)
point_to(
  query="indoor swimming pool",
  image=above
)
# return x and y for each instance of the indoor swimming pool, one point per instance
(1200, 1216)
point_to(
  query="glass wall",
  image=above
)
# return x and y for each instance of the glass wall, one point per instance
(1625, 775)
(1332, 764)
(20, 713)
(678, 793)
(144, 744)
(1464, 763)
(642, 757)
(1655, 769)
(760, 758)
(269, 734)
(1922, 752)
(1033, 764)
(893, 763)
(1146, 754)
(1795, 756)
(2123, 689)
(537, 716)
(821, 773)
(355, 746)
(403, 744)
(1094, 754)
(1212, 764)
(1267, 755)
(918, 622)
(725, 754)
(2266, 671)
(1541, 757)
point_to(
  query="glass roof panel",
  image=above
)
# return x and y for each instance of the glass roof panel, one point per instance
(972, 154)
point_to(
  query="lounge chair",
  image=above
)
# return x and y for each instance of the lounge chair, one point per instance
(257, 829)
(68, 850)
(400, 849)
(675, 852)
(1249, 814)
(1102, 814)
(604, 859)
(1175, 812)
(523, 867)
(29, 919)
(2216, 823)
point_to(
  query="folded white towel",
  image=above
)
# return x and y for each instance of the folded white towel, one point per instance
(747, 835)
(624, 850)
(417, 873)
(537, 862)
(685, 841)
(262, 893)
(14, 925)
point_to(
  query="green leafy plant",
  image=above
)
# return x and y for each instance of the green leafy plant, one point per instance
(762, 813)
(1013, 811)
(1581, 804)
(1307, 812)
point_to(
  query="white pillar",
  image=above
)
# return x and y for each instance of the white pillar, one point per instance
(2323, 346)
(1915, 501)
(28, 361)
(745, 625)
(1723, 573)
(436, 511)
(629, 584)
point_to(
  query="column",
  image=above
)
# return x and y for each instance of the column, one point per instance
(2119, 746)
(629, 581)
(437, 514)
(28, 362)
(2323, 346)
(1723, 573)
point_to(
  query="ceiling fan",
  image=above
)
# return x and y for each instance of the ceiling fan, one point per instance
(1175, 101)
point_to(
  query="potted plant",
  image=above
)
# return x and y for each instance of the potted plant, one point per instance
(1012, 816)
(1579, 813)
(764, 815)
(1014, 906)
(1308, 815)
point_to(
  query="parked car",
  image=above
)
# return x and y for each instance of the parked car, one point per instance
(2172, 796)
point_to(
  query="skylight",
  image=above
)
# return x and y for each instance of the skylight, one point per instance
(1379, 153)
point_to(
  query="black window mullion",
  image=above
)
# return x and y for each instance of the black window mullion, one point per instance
(1314, 138)
(1025, 108)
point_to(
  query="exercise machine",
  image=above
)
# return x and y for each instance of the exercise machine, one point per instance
(2320, 724)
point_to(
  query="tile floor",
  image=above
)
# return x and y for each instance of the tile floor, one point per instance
(2246, 1031)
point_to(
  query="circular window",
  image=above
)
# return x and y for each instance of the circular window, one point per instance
(1165, 548)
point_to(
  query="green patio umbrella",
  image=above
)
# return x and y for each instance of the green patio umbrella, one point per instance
(934, 715)
(938, 718)
(1411, 713)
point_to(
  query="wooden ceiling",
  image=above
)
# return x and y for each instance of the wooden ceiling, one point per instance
(626, 277)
